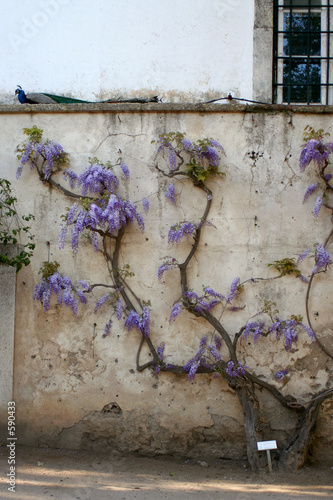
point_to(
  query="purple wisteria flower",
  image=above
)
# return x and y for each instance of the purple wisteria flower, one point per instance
(170, 193)
(70, 176)
(257, 327)
(233, 371)
(233, 290)
(322, 259)
(165, 267)
(125, 170)
(317, 207)
(145, 204)
(178, 231)
(317, 151)
(102, 301)
(108, 216)
(119, 309)
(303, 256)
(64, 290)
(107, 328)
(187, 144)
(175, 311)
(97, 179)
(140, 322)
(210, 292)
(160, 351)
(289, 329)
(199, 359)
(50, 151)
(172, 158)
(311, 189)
(281, 374)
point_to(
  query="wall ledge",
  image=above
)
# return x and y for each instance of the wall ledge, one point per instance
(162, 108)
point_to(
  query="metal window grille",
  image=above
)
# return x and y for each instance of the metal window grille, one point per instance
(303, 47)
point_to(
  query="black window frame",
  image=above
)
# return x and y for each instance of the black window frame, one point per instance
(284, 88)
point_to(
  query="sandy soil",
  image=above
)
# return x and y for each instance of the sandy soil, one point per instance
(68, 474)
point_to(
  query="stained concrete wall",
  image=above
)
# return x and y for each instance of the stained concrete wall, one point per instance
(74, 388)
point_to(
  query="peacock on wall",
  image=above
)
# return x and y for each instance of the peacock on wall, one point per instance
(43, 98)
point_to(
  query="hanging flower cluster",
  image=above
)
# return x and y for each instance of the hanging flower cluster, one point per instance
(139, 321)
(51, 152)
(321, 256)
(64, 290)
(205, 151)
(207, 356)
(104, 215)
(96, 179)
(288, 329)
(317, 151)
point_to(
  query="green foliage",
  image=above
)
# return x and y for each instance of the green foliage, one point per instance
(285, 266)
(270, 309)
(125, 272)
(11, 229)
(200, 172)
(49, 268)
(311, 133)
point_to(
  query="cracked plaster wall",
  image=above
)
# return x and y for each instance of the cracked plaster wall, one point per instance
(74, 388)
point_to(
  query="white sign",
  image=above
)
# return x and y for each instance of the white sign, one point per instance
(266, 445)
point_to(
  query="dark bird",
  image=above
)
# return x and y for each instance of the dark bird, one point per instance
(43, 98)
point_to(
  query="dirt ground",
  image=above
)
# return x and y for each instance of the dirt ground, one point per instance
(67, 474)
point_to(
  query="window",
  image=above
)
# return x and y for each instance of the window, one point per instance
(303, 63)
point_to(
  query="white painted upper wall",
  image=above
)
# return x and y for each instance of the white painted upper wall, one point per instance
(191, 50)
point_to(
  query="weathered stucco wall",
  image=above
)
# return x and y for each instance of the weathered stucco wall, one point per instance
(180, 51)
(74, 388)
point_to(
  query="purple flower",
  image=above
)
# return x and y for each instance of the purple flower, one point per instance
(145, 204)
(164, 267)
(322, 259)
(255, 326)
(119, 309)
(160, 351)
(302, 256)
(175, 311)
(97, 179)
(235, 372)
(214, 352)
(125, 170)
(316, 151)
(233, 290)
(215, 144)
(107, 328)
(64, 290)
(178, 231)
(101, 302)
(71, 176)
(281, 374)
(310, 190)
(50, 151)
(170, 193)
(317, 207)
(172, 158)
(141, 323)
(105, 215)
(187, 144)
